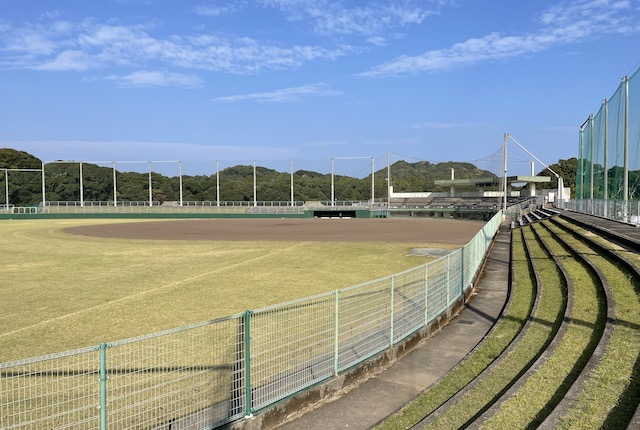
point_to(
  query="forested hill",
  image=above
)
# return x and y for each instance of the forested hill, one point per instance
(12, 159)
(420, 176)
(236, 183)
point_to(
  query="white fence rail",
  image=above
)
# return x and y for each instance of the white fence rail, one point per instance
(627, 211)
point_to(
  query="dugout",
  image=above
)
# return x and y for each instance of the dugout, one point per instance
(339, 213)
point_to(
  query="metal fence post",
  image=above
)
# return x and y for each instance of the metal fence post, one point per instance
(426, 294)
(448, 280)
(247, 363)
(103, 386)
(392, 280)
(336, 341)
(463, 284)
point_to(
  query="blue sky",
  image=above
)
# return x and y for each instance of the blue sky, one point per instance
(308, 80)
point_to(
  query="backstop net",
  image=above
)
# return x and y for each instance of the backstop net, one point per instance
(609, 147)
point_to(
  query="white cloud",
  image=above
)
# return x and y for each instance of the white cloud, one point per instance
(335, 18)
(377, 40)
(51, 14)
(145, 78)
(563, 24)
(69, 60)
(87, 45)
(54, 44)
(31, 42)
(215, 9)
(101, 35)
(362, 20)
(567, 12)
(284, 95)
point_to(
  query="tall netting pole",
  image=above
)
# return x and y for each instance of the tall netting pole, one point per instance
(587, 157)
(81, 187)
(255, 192)
(150, 187)
(115, 188)
(388, 179)
(218, 183)
(292, 201)
(373, 180)
(504, 176)
(625, 186)
(615, 118)
(634, 143)
(591, 167)
(598, 154)
(333, 199)
(580, 179)
(6, 188)
(606, 154)
(180, 172)
(44, 198)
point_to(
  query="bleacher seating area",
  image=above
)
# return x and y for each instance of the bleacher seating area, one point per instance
(481, 203)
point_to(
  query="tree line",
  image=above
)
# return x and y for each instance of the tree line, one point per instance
(62, 182)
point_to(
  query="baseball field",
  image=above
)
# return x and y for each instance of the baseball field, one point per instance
(66, 284)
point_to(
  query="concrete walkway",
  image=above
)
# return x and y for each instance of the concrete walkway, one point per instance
(623, 230)
(385, 393)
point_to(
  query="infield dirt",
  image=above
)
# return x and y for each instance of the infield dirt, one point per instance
(399, 230)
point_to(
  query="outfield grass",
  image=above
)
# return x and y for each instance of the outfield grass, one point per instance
(61, 291)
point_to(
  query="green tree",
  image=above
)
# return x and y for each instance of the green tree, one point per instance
(567, 170)
(236, 183)
(25, 188)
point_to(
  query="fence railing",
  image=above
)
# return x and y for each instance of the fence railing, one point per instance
(627, 211)
(515, 212)
(208, 203)
(201, 207)
(214, 372)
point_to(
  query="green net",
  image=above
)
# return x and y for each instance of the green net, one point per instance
(598, 153)
(634, 136)
(579, 169)
(586, 159)
(615, 143)
(601, 159)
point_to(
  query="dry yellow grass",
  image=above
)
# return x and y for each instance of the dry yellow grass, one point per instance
(60, 291)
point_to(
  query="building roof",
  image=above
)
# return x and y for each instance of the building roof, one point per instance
(492, 181)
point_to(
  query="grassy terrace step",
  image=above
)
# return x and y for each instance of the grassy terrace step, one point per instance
(541, 330)
(611, 394)
(541, 392)
(516, 313)
(592, 233)
(631, 256)
(553, 420)
(610, 390)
